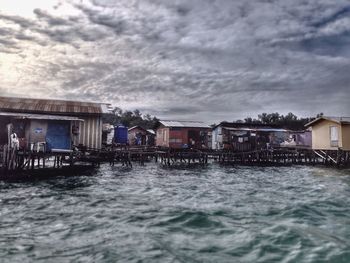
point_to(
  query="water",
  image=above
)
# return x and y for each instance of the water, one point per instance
(154, 214)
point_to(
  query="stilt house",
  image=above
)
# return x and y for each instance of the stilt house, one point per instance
(183, 134)
(140, 136)
(54, 124)
(246, 136)
(298, 139)
(330, 133)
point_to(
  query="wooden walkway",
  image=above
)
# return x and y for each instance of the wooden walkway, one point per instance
(277, 157)
(12, 161)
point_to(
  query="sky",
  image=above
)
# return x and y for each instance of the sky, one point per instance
(209, 60)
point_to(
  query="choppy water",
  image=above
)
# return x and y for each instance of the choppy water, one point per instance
(153, 214)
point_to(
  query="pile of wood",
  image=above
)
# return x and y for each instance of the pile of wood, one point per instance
(9, 158)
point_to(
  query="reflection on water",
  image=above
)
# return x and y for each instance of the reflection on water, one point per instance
(188, 214)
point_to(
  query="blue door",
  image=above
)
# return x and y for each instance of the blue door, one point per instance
(58, 135)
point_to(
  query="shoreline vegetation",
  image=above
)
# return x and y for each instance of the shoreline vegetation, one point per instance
(137, 118)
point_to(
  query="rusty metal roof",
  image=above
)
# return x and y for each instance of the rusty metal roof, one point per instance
(226, 125)
(12, 104)
(184, 124)
(33, 116)
(256, 129)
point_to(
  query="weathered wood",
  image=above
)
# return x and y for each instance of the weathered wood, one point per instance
(20, 160)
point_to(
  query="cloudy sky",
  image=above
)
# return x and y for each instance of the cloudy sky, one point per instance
(181, 59)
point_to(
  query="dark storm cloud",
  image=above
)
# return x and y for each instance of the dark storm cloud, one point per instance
(333, 17)
(187, 59)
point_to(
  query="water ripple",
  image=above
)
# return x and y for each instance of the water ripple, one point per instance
(188, 214)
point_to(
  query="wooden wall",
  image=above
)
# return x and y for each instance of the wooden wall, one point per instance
(177, 137)
(346, 137)
(90, 132)
(37, 131)
(162, 137)
(321, 135)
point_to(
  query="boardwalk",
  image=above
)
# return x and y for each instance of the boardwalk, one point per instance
(13, 162)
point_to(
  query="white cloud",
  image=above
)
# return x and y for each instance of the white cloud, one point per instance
(185, 59)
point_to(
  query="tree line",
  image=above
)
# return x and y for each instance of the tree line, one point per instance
(288, 121)
(136, 118)
(130, 118)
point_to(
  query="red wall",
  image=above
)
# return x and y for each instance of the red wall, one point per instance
(180, 134)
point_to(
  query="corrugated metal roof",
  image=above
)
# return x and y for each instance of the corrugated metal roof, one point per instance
(256, 129)
(237, 129)
(271, 130)
(340, 120)
(32, 116)
(51, 106)
(225, 124)
(141, 128)
(184, 124)
(151, 131)
(137, 126)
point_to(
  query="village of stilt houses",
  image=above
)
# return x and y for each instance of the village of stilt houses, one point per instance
(40, 136)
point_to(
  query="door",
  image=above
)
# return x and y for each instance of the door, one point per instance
(58, 135)
(334, 136)
(193, 138)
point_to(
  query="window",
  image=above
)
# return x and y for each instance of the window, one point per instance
(173, 140)
(334, 136)
(164, 135)
(219, 130)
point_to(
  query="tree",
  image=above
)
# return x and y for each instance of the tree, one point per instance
(130, 118)
(289, 121)
(263, 117)
(248, 120)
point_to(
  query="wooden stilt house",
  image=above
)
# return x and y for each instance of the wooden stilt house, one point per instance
(139, 136)
(55, 124)
(183, 134)
(246, 136)
(330, 133)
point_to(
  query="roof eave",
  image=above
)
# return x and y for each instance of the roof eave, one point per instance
(311, 123)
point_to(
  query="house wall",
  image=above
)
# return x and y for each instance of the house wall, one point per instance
(162, 137)
(216, 139)
(346, 137)
(321, 135)
(135, 131)
(239, 140)
(3, 129)
(225, 138)
(176, 137)
(36, 131)
(3, 134)
(302, 138)
(132, 135)
(90, 132)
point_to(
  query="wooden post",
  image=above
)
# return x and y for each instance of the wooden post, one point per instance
(4, 157)
(33, 159)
